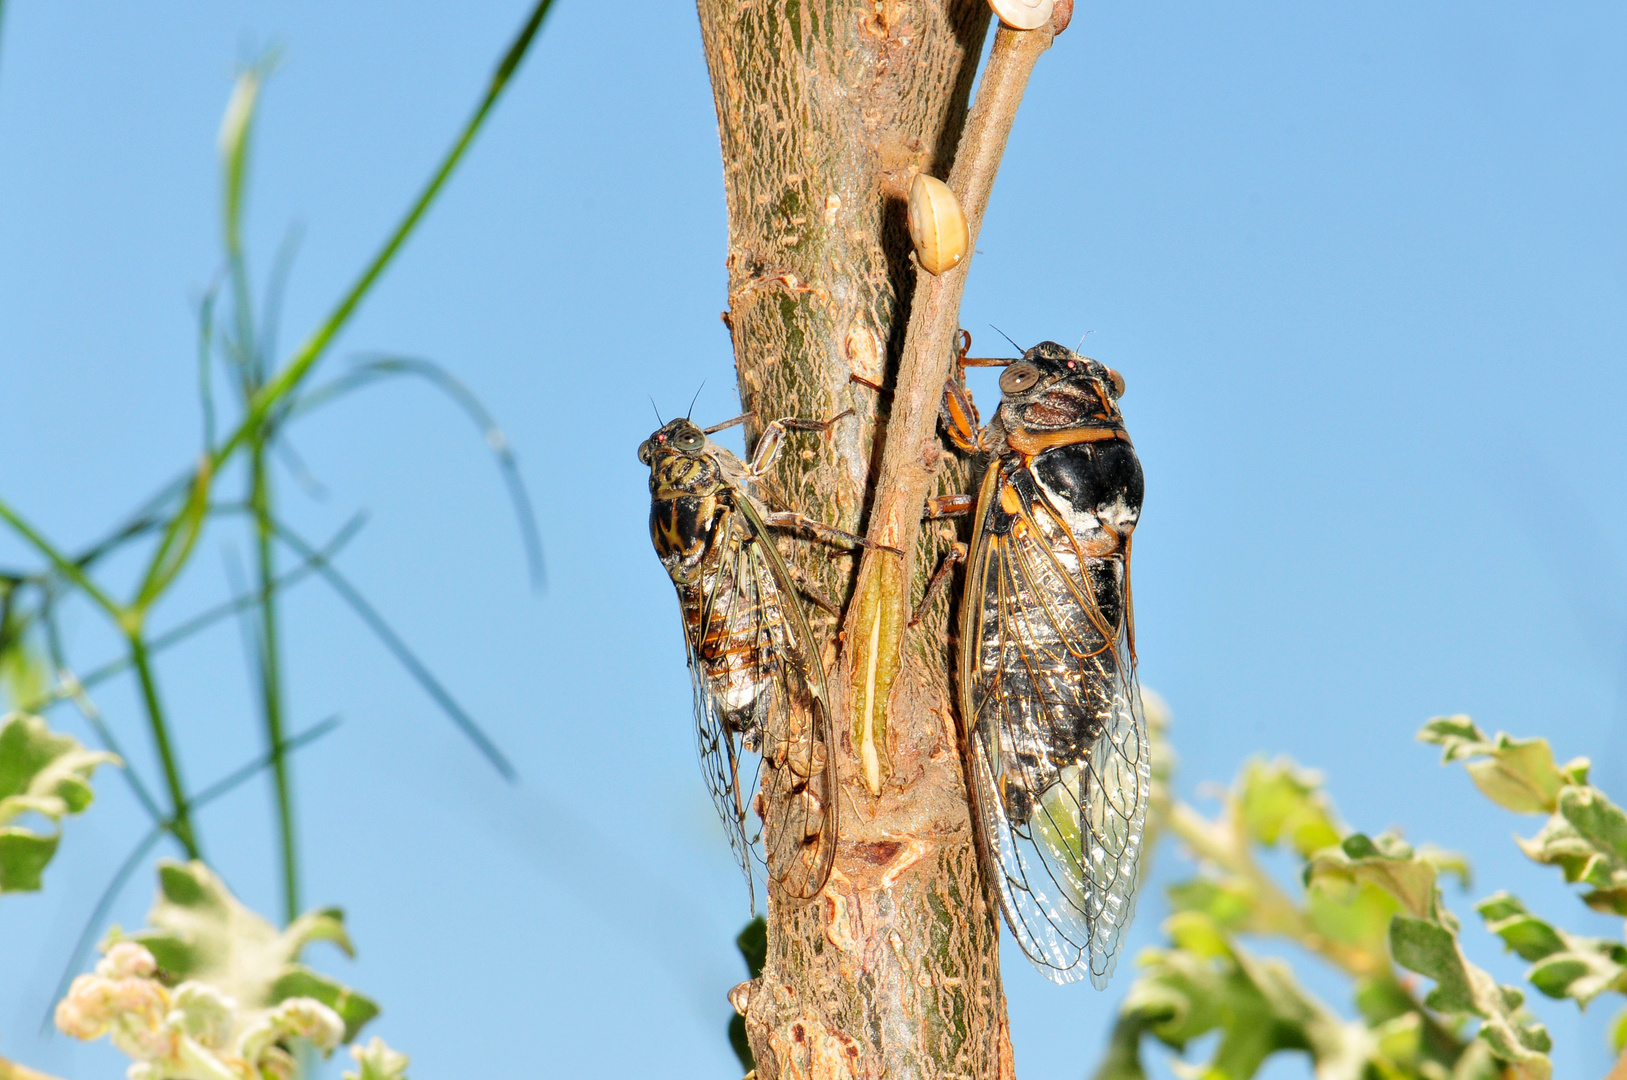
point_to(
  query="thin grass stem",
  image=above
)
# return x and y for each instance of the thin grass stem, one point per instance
(404, 655)
(382, 367)
(270, 668)
(63, 564)
(180, 822)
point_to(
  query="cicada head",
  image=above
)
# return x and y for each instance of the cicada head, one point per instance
(1054, 389)
(679, 463)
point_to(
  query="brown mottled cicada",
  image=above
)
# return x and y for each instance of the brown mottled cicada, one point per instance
(760, 695)
(1059, 764)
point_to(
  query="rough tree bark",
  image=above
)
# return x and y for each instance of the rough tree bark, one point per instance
(826, 110)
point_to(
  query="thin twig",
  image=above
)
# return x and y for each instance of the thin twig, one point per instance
(910, 459)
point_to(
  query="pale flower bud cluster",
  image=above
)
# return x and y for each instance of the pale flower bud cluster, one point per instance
(193, 1031)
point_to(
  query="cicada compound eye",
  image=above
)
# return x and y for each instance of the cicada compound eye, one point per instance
(644, 452)
(689, 441)
(1118, 382)
(1018, 377)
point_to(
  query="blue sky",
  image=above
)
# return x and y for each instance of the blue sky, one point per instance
(1364, 268)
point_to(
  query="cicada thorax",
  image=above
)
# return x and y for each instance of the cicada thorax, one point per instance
(1059, 764)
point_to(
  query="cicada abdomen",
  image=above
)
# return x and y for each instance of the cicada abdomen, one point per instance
(760, 699)
(1059, 757)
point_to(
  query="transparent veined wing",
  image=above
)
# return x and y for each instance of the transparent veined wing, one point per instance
(760, 716)
(799, 786)
(1060, 760)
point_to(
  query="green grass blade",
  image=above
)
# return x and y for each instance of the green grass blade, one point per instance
(404, 655)
(384, 367)
(64, 566)
(272, 394)
(243, 601)
(180, 537)
(206, 339)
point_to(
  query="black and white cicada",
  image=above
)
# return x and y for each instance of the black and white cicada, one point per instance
(760, 694)
(1059, 763)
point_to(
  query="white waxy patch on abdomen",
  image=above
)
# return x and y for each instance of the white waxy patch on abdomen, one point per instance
(1082, 523)
(1120, 515)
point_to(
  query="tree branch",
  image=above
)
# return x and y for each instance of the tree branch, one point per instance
(877, 619)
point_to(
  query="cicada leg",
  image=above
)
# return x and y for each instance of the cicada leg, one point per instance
(937, 508)
(811, 593)
(768, 447)
(960, 420)
(940, 577)
(944, 506)
(830, 534)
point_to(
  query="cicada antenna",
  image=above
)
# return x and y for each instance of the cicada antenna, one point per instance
(1082, 338)
(658, 421)
(1007, 336)
(694, 399)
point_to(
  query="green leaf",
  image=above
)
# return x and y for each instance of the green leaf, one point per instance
(1565, 965)
(1587, 839)
(1597, 820)
(23, 857)
(353, 1008)
(1356, 913)
(44, 773)
(753, 945)
(1386, 862)
(1518, 774)
(198, 930)
(1424, 939)
(1227, 903)
(1430, 947)
(1280, 800)
(1618, 1032)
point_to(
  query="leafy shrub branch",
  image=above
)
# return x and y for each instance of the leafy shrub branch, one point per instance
(1373, 908)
